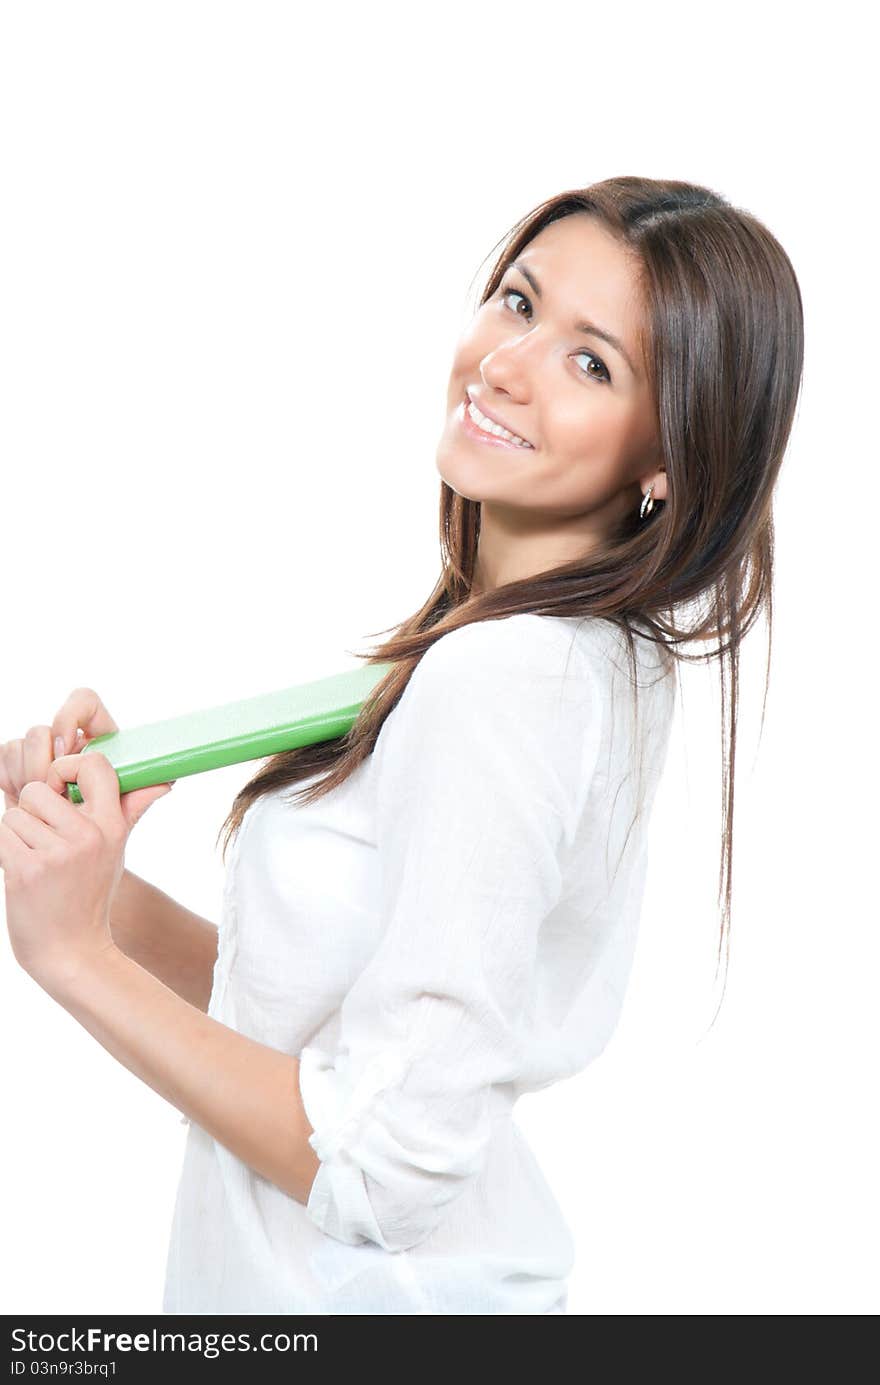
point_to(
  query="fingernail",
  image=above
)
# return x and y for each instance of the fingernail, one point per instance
(59, 747)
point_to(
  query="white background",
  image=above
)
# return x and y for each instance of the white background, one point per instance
(238, 244)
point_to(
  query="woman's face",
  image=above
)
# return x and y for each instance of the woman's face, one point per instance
(583, 405)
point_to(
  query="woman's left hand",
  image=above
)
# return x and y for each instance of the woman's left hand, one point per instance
(63, 861)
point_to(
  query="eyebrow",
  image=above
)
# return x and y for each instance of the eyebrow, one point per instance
(588, 327)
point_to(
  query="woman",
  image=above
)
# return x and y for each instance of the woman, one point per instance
(442, 915)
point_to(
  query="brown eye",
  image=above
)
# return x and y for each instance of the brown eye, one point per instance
(605, 377)
(517, 294)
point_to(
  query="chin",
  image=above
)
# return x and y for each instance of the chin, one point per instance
(465, 483)
(469, 476)
(457, 486)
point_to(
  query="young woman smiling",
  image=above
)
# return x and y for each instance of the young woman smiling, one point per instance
(437, 912)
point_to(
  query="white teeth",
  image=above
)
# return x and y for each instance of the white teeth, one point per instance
(488, 426)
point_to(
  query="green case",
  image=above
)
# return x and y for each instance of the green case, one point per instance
(236, 731)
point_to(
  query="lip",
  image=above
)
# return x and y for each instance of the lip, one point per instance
(473, 431)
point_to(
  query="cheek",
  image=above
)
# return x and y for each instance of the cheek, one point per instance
(593, 438)
(585, 454)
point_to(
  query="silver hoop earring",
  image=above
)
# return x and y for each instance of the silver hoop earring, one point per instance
(647, 502)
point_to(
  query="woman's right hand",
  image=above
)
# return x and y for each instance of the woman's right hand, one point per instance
(79, 720)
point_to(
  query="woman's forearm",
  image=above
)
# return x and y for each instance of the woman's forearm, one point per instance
(174, 944)
(243, 1093)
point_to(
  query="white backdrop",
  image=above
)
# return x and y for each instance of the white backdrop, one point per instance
(230, 229)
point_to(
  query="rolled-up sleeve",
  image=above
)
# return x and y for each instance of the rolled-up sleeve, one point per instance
(482, 770)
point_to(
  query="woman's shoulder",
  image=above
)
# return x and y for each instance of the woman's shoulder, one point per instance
(589, 649)
(538, 659)
(521, 643)
(493, 692)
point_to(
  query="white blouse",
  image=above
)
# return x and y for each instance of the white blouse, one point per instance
(451, 927)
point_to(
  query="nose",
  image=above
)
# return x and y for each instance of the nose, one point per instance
(506, 370)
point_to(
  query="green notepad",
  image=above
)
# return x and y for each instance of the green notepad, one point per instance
(236, 731)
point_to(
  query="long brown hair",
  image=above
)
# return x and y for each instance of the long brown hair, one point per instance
(725, 357)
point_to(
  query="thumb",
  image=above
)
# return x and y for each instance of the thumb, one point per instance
(136, 803)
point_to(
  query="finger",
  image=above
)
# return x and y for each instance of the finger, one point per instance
(12, 771)
(13, 852)
(60, 817)
(136, 803)
(95, 778)
(38, 753)
(30, 826)
(63, 771)
(83, 708)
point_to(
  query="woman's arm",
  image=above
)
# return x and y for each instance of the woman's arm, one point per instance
(243, 1093)
(174, 944)
(63, 865)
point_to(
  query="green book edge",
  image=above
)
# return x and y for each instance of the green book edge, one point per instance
(320, 710)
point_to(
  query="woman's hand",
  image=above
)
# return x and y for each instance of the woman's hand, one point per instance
(80, 719)
(62, 861)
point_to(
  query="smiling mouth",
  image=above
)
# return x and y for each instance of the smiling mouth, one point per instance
(500, 440)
